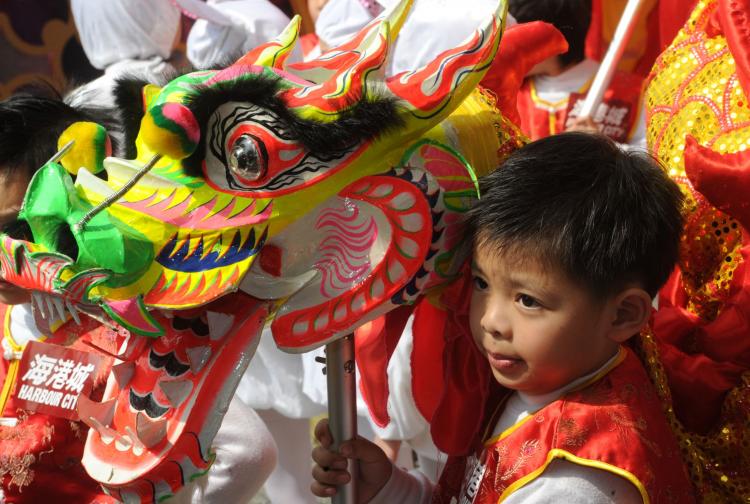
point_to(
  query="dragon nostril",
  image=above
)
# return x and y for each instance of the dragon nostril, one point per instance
(18, 230)
(66, 242)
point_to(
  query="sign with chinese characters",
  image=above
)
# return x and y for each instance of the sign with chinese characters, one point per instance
(613, 117)
(51, 377)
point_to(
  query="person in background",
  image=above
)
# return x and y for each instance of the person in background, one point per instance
(432, 26)
(224, 30)
(124, 38)
(554, 91)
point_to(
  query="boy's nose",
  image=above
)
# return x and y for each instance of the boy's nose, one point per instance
(495, 321)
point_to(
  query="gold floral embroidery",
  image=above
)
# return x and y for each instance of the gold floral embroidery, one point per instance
(625, 427)
(525, 452)
(18, 466)
(573, 436)
(19, 469)
(599, 394)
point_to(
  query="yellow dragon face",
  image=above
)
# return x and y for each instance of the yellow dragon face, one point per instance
(262, 180)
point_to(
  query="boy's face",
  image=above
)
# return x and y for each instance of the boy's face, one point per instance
(538, 329)
(13, 186)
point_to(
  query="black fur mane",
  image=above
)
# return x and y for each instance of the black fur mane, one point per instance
(364, 120)
(128, 93)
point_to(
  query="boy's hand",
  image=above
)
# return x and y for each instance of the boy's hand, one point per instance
(330, 469)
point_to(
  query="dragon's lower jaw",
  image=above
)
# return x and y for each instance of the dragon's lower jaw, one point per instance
(153, 430)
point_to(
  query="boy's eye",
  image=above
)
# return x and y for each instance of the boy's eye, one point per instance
(528, 301)
(479, 284)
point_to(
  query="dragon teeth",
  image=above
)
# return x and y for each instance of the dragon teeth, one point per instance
(59, 306)
(218, 324)
(198, 357)
(138, 447)
(73, 312)
(105, 433)
(150, 432)
(176, 391)
(123, 373)
(103, 412)
(119, 170)
(39, 303)
(50, 306)
(88, 180)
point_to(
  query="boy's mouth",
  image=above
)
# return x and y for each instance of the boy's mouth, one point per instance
(502, 361)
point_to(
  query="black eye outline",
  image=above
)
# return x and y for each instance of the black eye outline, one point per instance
(247, 160)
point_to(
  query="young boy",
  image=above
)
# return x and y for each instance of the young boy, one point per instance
(572, 239)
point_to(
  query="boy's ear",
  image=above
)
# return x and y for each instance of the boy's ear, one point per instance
(632, 311)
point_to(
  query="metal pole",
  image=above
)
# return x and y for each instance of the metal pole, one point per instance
(612, 58)
(342, 406)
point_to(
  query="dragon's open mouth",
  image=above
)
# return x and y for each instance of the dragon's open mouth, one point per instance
(162, 408)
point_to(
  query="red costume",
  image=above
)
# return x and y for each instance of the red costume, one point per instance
(40, 457)
(614, 423)
(617, 115)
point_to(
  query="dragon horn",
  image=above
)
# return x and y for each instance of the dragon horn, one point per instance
(342, 76)
(397, 16)
(433, 91)
(353, 73)
(274, 54)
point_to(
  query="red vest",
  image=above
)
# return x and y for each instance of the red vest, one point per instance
(614, 423)
(616, 116)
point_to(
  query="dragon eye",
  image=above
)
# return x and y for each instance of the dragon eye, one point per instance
(246, 161)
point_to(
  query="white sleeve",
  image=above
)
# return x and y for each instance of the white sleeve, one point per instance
(565, 481)
(245, 457)
(339, 20)
(404, 487)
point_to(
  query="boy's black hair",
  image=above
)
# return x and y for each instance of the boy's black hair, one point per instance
(571, 17)
(31, 122)
(606, 216)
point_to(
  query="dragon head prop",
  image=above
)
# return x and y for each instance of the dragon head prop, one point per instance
(263, 184)
(316, 195)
